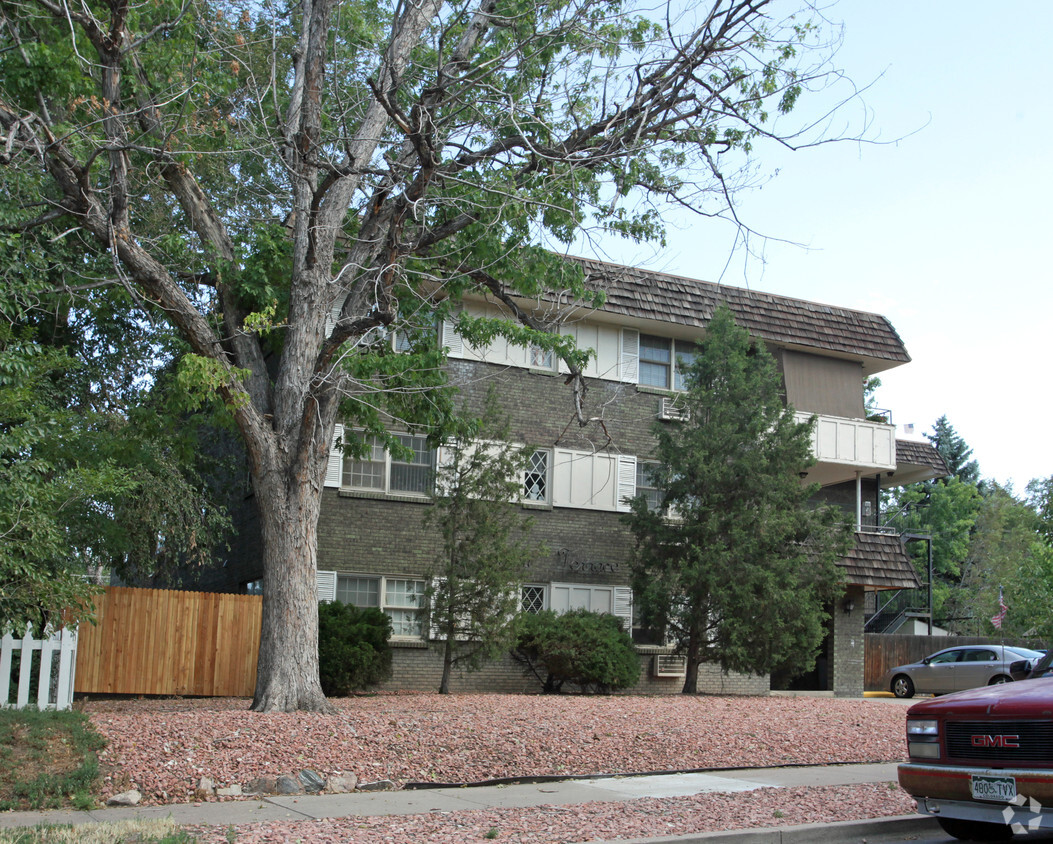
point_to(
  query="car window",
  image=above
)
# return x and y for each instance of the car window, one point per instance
(979, 655)
(1025, 653)
(946, 656)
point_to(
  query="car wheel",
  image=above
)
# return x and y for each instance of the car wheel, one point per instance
(975, 830)
(999, 680)
(902, 686)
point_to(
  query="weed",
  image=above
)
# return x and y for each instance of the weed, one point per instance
(142, 832)
(778, 813)
(47, 759)
(492, 834)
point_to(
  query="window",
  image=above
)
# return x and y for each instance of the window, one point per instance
(645, 485)
(378, 470)
(360, 591)
(533, 598)
(402, 598)
(540, 358)
(399, 598)
(657, 355)
(535, 478)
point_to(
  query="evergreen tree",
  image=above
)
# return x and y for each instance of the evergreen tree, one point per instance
(736, 564)
(473, 594)
(954, 451)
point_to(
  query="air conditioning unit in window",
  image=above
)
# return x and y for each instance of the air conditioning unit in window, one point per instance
(670, 409)
(670, 665)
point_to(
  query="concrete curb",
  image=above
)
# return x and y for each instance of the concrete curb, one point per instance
(819, 833)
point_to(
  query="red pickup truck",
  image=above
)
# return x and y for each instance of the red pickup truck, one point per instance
(981, 761)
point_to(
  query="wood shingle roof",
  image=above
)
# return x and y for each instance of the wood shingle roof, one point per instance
(879, 561)
(648, 295)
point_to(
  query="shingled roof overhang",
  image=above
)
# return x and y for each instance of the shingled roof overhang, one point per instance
(651, 297)
(879, 561)
(917, 461)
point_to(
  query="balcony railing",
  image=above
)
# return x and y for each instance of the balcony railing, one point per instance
(844, 446)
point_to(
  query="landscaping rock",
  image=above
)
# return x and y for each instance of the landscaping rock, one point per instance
(341, 783)
(261, 785)
(379, 785)
(289, 785)
(229, 791)
(311, 781)
(125, 798)
(205, 789)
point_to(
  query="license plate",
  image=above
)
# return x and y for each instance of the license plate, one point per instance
(1000, 789)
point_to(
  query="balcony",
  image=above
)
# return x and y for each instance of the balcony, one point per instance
(843, 447)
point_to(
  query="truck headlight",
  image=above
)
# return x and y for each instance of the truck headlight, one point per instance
(923, 738)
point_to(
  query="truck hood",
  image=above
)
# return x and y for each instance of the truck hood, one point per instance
(1025, 699)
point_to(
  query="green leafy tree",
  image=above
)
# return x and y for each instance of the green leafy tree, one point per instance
(473, 592)
(587, 649)
(1006, 552)
(285, 184)
(947, 511)
(1040, 497)
(44, 479)
(736, 564)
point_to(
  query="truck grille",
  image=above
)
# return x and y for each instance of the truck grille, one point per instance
(988, 740)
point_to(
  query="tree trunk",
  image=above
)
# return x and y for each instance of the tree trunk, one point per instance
(447, 665)
(287, 673)
(694, 647)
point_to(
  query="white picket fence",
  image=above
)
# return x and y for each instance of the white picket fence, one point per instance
(55, 659)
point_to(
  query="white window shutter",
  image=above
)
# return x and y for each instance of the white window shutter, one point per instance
(334, 469)
(630, 368)
(326, 582)
(450, 338)
(626, 481)
(623, 606)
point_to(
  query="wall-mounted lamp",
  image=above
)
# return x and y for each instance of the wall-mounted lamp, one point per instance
(848, 605)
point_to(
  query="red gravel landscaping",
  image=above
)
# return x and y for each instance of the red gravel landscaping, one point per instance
(162, 747)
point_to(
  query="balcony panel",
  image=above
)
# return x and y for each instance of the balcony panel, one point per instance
(843, 446)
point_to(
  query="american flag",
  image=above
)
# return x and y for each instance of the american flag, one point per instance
(997, 619)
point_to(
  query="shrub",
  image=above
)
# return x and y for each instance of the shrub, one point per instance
(353, 649)
(587, 649)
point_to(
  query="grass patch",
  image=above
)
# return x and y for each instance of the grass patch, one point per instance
(48, 760)
(125, 832)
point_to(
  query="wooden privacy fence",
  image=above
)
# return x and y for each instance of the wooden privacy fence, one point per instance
(884, 651)
(165, 642)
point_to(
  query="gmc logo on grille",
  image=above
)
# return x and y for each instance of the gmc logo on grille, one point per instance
(995, 741)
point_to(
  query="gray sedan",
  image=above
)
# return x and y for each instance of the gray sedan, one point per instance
(955, 669)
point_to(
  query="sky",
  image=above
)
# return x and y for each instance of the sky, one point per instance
(939, 227)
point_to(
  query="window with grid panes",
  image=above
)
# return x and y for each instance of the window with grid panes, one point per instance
(685, 356)
(655, 356)
(398, 597)
(360, 591)
(402, 599)
(535, 478)
(378, 470)
(645, 485)
(533, 598)
(540, 358)
(416, 473)
(369, 471)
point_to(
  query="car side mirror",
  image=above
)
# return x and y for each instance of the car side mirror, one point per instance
(1020, 666)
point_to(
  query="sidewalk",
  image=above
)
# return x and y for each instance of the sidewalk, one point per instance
(268, 808)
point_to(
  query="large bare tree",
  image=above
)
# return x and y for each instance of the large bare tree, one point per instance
(289, 182)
